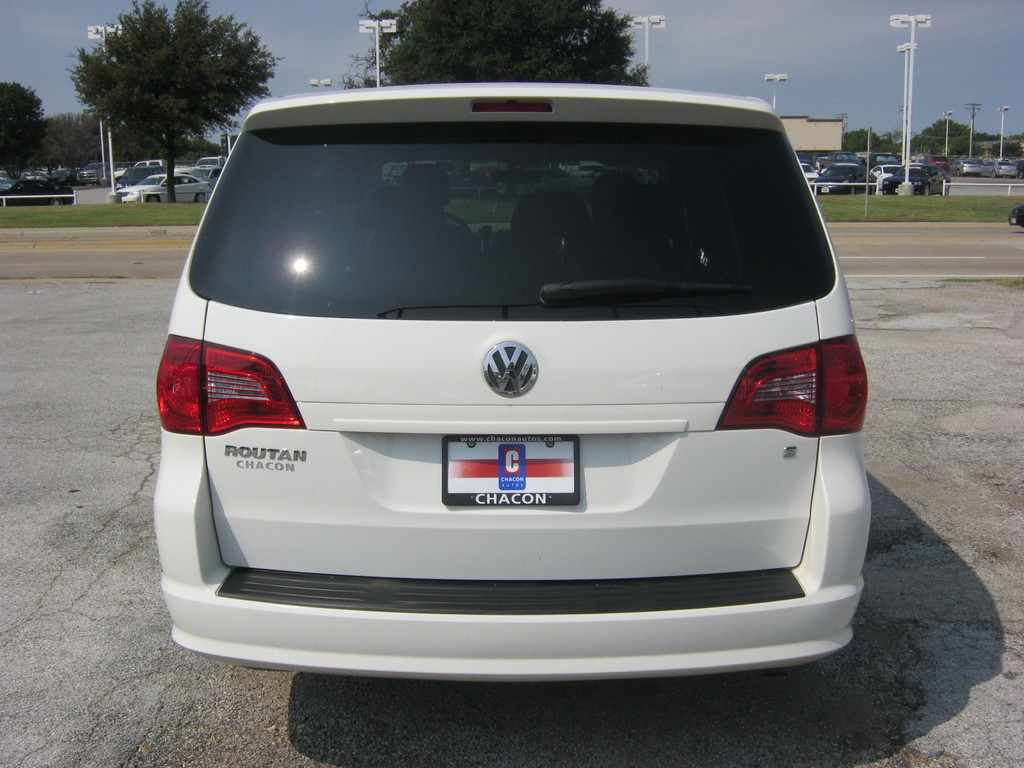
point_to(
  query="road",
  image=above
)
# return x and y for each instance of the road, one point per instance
(933, 250)
(106, 252)
(891, 250)
(933, 679)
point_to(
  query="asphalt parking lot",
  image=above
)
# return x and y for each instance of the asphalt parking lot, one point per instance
(91, 678)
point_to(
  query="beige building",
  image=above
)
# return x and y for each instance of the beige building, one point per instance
(809, 134)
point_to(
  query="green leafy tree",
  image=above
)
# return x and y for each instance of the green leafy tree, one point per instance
(932, 140)
(857, 141)
(173, 77)
(453, 41)
(22, 127)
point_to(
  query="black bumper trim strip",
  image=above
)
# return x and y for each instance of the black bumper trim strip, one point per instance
(361, 593)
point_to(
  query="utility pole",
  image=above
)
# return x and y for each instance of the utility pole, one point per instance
(974, 109)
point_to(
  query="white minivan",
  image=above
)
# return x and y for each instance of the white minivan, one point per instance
(453, 408)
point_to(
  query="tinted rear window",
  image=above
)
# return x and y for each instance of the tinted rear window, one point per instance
(469, 221)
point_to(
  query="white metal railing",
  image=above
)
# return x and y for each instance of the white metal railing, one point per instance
(984, 186)
(977, 187)
(15, 198)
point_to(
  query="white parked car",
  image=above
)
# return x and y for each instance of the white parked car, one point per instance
(216, 160)
(810, 172)
(880, 173)
(153, 189)
(550, 432)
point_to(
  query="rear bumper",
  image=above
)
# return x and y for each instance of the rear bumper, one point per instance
(511, 647)
(476, 646)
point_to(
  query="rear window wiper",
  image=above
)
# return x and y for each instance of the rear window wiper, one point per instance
(584, 291)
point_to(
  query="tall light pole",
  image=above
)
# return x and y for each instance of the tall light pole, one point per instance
(947, 114)
(913, 21)
(775, 80)
(100, 33)
(904, 128)
(1002, 115)
(648, 23)
(377, 27)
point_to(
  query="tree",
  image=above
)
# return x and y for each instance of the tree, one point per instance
(22, 127)
(857, 141)
(450, 41)
(172, 78)
(932, 140)
(71, 140)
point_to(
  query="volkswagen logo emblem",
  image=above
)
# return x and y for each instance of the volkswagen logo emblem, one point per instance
(510, 369)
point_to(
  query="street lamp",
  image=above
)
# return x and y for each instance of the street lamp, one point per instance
(377, 27)
(1002, 116)
(775, 80)
(948, 114)
(99, 33)
(648, 23)
(913, 21)
(905, 128)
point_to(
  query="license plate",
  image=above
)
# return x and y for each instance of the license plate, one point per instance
(510, 470)
(1013, 219)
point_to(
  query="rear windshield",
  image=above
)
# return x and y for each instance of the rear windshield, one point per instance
(524, 221)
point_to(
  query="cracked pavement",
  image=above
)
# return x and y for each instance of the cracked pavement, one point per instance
(91, 678)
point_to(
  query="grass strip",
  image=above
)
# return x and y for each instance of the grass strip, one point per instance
(845, 208)
(1017, 283)
(971, 209)
(104, 215)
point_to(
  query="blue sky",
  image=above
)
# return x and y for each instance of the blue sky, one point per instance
(840, 55)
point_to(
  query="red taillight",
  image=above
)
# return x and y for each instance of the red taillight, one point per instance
(207, 389)
(178, 393)
(845, 388)
(820, 389)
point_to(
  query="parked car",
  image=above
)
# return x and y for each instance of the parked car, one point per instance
(810, 172)
(839, 157)
(217, 160)
(883, 158)
(1017, 215)
(207, 173)
(842, 179)
(153, 189)
(881, 172)
(1020, 169)
(149, 164)
(924, 181)
(968, 166)
(35, 192)
(134, 175)
(940, 160)
(1005, 169)
(596, 432)
(91, 173)
(65, 177)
